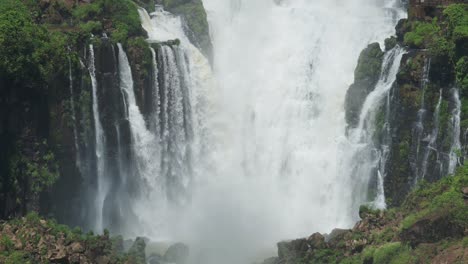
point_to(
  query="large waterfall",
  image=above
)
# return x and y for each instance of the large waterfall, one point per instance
(235, 156)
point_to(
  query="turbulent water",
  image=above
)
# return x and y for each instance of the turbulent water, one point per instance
(271, 156)
(238, 155)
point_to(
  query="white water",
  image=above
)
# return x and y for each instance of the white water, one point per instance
(143, 141)
(102, 184)
(366, 157)
(455, 149)
(418, 129)
(157, 105)
(271, 160)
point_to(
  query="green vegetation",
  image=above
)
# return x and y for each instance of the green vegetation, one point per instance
(443, 197)
(40, 169)
(392, 253)
(30, 54)
(370, 63)
(120, 17)
(421, 33)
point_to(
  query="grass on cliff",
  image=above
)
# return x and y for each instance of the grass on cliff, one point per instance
(444, 196)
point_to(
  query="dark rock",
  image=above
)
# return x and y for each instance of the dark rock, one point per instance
(390, 43)
(401, 29)
(177, 253)
(316, 241)
(465, 193)
(336, 234)
(292, 249)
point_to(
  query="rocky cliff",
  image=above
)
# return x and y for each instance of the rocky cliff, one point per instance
(425, 108)
(46, 115)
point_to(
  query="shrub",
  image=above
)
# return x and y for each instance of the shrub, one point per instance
(91, 27)
(392, 253)
(461, 70)
(421, 33)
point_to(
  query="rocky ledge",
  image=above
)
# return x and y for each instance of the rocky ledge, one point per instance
(32, 240)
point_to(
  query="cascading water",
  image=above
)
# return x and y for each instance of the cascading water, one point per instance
(368, 157)
(259, 158)
(102, 184)
(432, 140)
(455, 149)
(260, 155)
(418, 127)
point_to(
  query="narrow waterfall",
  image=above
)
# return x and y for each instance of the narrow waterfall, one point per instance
(176, 125)
(432, 140)
(73, 115)
(418, 127)
(102, 185)
(143, 141)
(155, 122)
(456, 148)
(368, 158)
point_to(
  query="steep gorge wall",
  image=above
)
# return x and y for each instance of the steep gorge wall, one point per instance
(423, 105)
(47, 134)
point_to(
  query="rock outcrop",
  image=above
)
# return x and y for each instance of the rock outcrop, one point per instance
(34, 240)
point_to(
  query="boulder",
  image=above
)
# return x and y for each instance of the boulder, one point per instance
(76, 247)
(292, 249)
(316, 241)
(366, 76)
(336, 234)
(177, 253)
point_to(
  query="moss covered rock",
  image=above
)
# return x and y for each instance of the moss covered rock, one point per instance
(366, 77)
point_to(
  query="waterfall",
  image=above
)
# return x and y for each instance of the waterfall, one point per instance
(368, 158)
(155, 123)
(455, 149)
(432, 139)
(73, 115)
(418, 127)
(238, 155)
(143, 141)
(102, 184)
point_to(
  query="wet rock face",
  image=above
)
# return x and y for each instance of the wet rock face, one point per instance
(366, 77)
